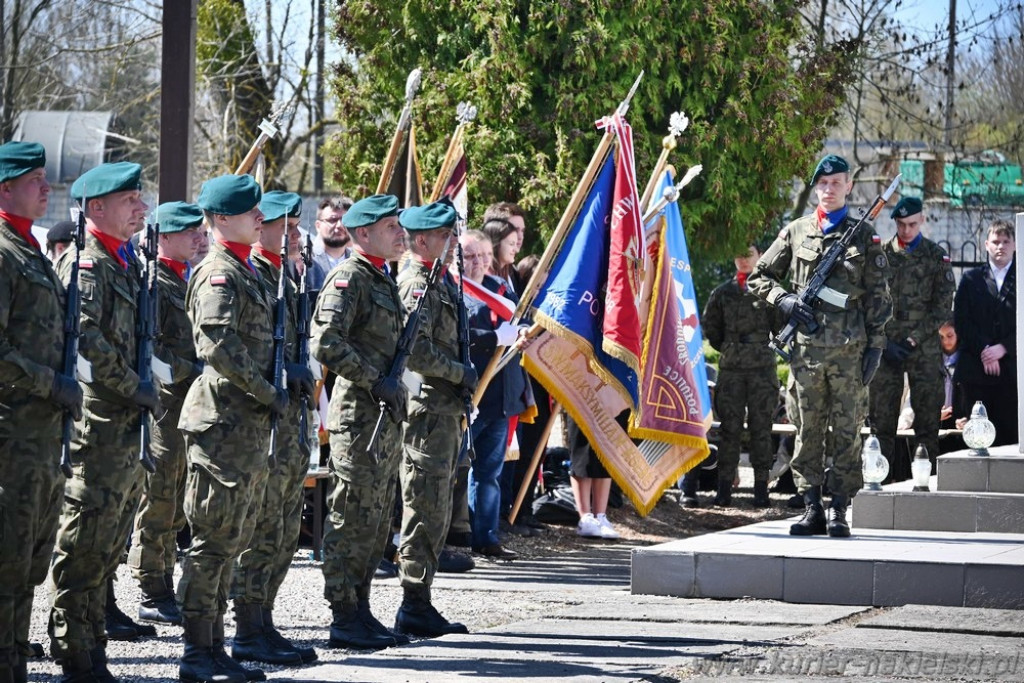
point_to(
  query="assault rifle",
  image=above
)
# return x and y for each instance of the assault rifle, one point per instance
(280, 320)
(405, 345)
(149, 301)
(816, 290)
(72, 331)
(463, 327)
(303, 333)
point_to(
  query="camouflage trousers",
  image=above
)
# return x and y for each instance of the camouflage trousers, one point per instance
(360, 508)
(100, 500)
(427, 473)
(161, 514)
(751, 396)
(829, 393)
(31, 490)
(924, 371)
(220, 505)
(262, 566)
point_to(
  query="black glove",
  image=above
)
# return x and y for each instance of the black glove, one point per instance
(469, 379)
(279, 406)
(148, 396)
(300, 379)
(869, 364)
(65, 392)
(391, 393)
(796, 310)
(896, 352)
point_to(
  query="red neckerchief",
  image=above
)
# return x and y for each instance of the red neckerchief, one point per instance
(110, 243)
(179, 267)
(741, 279)
(375, 261)
(240, 250)
(275, 259)
(22, 226)
(429, 265)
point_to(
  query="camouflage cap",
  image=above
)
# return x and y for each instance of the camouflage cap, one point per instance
(278, 204)
(907, 206)
(370, 210)
(439, 214)
(178, 216)
(229, 195)
(829, 165)
(18, 158)
(105, 179)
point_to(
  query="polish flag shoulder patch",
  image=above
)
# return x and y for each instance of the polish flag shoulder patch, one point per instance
(417, 293)
(945, 258)
(339, 283)
(85, 263)
(875, 239)
(218, 279)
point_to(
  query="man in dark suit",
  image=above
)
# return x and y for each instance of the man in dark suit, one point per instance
(985, 313)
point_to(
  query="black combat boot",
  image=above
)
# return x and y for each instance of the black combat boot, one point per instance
(275, 638)
(99, 664)
(120, 626)
(158, 602)
(837, 526)
(226, 663)
(76, 667)
(372, 623)
(198, 664)
(8, 664)
(813, 521)
(723, 498)
(251, 643)
(689, 499)
(348, 630)
(761, 499)
(418, 617)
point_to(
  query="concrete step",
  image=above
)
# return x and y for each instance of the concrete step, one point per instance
(874, 567)
(1001, 472)
(899, 507)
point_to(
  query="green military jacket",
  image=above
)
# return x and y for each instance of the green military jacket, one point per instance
(358, 320)
(174, 344)
(31, 337)
(921, 285)
(108, 322)
(738, 324)
(863, 275)
(233, 329)
(435, 357)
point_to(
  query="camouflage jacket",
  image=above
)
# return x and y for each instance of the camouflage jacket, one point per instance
(108, 321)
(862, 276)
(436, 354)
(358, 320)
(233, 328)
(921, 285)
(31, 337)
(738, 324)
(174, 344)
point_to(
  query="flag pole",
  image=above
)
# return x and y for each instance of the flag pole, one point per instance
(538, 453)
(464, 114)
(677, 123)
(412, 86)
(672, 193)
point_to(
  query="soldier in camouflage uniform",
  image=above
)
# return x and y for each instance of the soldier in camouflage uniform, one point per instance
(35, 396)
(262, 566)
(358, 321)
(101, 497)
(921, 286)
(434, 433)
(833, 366)
(161, 514)
(226, 420)
(738, 324)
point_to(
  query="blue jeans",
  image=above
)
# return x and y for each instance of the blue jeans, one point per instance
(489, 437)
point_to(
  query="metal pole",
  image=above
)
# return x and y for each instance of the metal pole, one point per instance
(950, 75)
(177, 98)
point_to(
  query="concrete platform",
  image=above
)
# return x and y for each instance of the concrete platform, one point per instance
(1001, 472)
(875, 567)
(899, 507)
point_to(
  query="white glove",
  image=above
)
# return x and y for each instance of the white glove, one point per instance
(507, 334)
(473, 415)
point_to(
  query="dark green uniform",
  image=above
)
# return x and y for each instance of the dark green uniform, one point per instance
(31, 486)
(101, 497)
(161, 514)
(358, 320)
(921, 285)
(738, 324)
(827, 366)
(226, 420)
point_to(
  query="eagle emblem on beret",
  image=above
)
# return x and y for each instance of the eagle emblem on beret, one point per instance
(826, 166)
(902, 211)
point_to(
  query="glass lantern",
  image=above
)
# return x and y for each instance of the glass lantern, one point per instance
(921, 468)
(979, 432)
(874, 466)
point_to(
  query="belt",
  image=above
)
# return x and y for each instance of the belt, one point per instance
(909, 316)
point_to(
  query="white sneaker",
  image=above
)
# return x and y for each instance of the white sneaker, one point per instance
(605, 528)
(588, 527)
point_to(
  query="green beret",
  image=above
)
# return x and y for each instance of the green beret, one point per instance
(229, 195)
(830, 165)
(278, 204)
(106, 179)
(439, 214)
(370, 210)
(178, 216)
(907, 206)
(18, 158)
